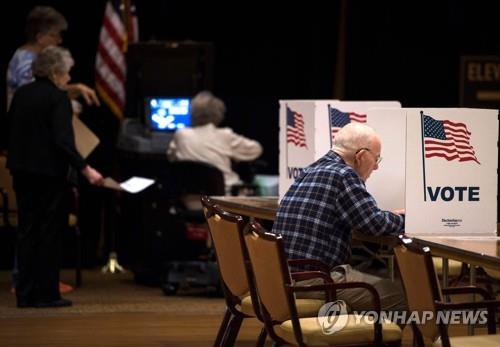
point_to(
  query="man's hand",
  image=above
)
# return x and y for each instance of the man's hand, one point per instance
(76, 90)
(399, 211)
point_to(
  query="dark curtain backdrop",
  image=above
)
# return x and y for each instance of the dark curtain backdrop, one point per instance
(406, 51)
(395, 50)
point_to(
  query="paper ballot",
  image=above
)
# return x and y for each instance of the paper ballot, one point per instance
(132, 185)
(136, 184)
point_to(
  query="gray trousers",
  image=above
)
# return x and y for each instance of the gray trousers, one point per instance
(392, 297)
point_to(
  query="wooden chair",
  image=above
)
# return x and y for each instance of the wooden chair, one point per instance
(277, 291)
(8, 215)
(226, 230)
(423, 293)
(8, 207)
(455, 268)
(491, 279)
(493, 274)
(191, 179)
(457, 271)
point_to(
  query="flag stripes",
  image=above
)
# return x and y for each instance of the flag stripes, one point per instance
(110, 59)
(448, 140)
(339, 119)
(295, 133)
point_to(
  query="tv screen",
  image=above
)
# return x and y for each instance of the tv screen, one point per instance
(167, 114)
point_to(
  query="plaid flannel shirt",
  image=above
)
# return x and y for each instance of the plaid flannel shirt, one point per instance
(318, 213)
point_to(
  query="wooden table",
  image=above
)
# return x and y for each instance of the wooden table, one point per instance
(477, 250)
(262, 207)
(481, 251)
(265, 208)
(474, 250)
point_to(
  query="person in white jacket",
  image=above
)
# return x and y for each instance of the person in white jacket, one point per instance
(207, 143)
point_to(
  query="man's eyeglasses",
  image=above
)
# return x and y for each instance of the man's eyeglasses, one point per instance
(378, 159)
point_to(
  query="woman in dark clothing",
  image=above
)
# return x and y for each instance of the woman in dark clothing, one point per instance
(42, 158)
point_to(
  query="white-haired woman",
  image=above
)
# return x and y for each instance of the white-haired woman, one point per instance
(42, 158)
(207, 143)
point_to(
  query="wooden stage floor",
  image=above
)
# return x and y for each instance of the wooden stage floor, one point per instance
(111, 310)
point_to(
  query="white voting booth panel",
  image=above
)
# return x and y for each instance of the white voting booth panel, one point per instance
(387, 183)
(307, 128)
(438, 163)
(451, 171)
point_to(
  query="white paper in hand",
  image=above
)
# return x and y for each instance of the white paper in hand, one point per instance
(136, 184)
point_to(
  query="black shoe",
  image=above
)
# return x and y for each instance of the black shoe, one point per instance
(55, 303)
(25, 304)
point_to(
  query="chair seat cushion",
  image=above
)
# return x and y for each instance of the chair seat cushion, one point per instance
(356, 331)
(493, 273)
(454, 266)
(246, 306)
(308, 307)
(305, 307)
(471, 341)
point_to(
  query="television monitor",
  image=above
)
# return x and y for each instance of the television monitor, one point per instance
(167, 114)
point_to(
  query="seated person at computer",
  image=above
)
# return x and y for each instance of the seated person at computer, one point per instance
(204, 142)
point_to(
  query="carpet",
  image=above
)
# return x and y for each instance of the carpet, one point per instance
(107, 293)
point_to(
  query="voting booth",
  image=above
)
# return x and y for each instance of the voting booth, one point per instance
(307, 128)
(451, 171)
(440, 164)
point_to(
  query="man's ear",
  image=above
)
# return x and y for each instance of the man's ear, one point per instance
(356, 157)
(355, 162)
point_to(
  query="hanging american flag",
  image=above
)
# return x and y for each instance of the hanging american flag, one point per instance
(295, 128)
(339, 119)
(448, 140)
(119, 28)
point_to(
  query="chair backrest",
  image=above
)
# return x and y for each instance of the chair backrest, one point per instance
(194, 177)
(6, 184)
(188, 180)
(226, 230)
(271, 273)
(421, 284)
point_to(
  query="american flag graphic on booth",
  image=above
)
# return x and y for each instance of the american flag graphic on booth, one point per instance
(295, 128)
(448, 140)
(339, 119)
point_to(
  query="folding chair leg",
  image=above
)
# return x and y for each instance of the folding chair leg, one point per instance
(224, 326)
(262, 338)
(232, 331)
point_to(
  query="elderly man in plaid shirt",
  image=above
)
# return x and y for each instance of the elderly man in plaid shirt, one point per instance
(327, 202)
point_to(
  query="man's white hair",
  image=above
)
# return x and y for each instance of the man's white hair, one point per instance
(352, 137)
